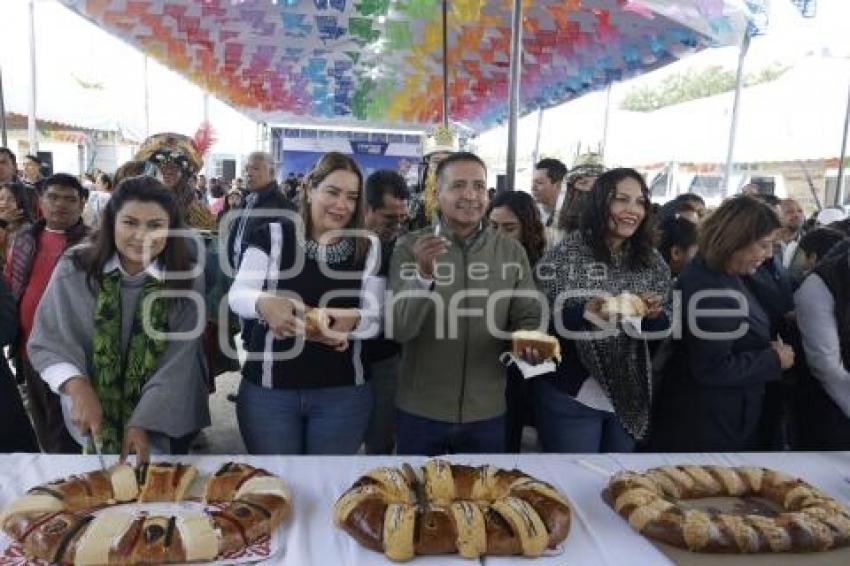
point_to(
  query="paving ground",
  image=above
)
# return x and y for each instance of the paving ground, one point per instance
(223, 436)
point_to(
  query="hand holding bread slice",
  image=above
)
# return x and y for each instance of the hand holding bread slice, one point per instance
(525, 341)
(624, 305)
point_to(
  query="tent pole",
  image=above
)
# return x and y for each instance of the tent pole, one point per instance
(513, 92)
(839, 188)
(445, 63)
(32, 133)
(5, 140)
(605, 121)
(739, 79)
(147, 101)
(537, 136)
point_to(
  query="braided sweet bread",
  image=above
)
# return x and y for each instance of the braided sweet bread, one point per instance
(51, 522)
(810, 521)
(444, 508)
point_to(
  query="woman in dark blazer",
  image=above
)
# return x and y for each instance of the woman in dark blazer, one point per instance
(713, 386)
(16, 433)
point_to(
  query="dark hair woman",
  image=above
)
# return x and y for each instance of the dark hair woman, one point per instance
(309, 396)
(598, 400)
(15, 214)
(713, 385)
(677, 242)
(114, 341)
(516, 215)
(689, 205)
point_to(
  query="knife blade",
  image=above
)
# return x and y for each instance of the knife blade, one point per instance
(98, 448)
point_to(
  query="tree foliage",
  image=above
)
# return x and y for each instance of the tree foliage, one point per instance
(692, 84)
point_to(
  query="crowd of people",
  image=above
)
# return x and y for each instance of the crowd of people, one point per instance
(375, 317)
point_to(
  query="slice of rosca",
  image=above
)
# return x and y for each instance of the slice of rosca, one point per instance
(78, 492)
(160, 542)
(199, 537)
(124, 485)
(164, 481)
(547, 346)
(17, 515)
(94, 546)
(229, 478)
(55, 537)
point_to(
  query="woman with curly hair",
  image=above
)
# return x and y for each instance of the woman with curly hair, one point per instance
(515, 214)
(598, 399)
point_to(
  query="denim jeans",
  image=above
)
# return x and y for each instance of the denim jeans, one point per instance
(566, 426)
(327, 420)
(383, 377)
(418, 435)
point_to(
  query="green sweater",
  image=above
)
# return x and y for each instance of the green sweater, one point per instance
(450, 368)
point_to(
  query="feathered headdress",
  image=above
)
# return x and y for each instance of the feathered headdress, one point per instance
(183, 151)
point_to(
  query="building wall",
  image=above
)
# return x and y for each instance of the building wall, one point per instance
(796, 182)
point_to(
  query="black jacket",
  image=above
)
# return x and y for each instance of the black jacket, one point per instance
(713, 387)
(269, 199)
(16, 433)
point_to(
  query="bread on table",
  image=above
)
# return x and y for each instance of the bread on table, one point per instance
(224, 484)
(81, 491)
(31, 506)
(95, 546)
(164, 481)
(50, 524)
(624, 304)
(124, 484)
(54, 538)
(466, 510)
(650, 502)
(200, 540)
(547, 346)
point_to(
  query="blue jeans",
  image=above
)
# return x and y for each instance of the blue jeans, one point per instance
(380, 434)
(566, 426)
(327, 420)
(418, 435)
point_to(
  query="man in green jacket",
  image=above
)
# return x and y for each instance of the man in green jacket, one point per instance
(458, 291)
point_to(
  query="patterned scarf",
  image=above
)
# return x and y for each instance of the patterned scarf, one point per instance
(119, 378)
(620, 364)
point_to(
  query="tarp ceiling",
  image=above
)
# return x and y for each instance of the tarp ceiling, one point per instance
(379, 62)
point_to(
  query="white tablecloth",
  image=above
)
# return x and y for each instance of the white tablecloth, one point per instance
(598, 536)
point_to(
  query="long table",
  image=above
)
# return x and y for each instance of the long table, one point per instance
(598, 536)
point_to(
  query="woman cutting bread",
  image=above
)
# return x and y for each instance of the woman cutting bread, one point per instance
(315, 289)
(103, 331)
(607, 287)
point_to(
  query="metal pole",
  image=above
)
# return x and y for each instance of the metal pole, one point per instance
(206, 124)
(32, 133)
(445, 63)
(513, 92)
(5, 139)
(839, 188)
(147, 101)
(605, 122)
(537, 136)
(739, 79)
